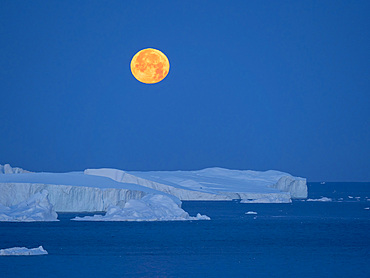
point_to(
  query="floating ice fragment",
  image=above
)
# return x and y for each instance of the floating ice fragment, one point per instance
(350, 197)
(322, 199)
(267, 199)
(251, 212)
(367, 208)
(23, 251)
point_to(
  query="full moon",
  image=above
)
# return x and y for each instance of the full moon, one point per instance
(150, 66)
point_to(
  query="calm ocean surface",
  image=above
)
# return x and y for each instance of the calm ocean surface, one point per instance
(302, 239)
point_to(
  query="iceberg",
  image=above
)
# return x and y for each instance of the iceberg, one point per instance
(36, 208)
(23, 251)
(251, 212)
(114, 191)
(76, 192)
(152, 207)
(72, 192)
(215, 183)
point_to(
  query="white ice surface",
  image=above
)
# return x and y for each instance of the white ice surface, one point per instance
(215, 183)
(152, 207)
(36, 208)
(72, 192)
(251, 212)
(322, 199)
(23, 251)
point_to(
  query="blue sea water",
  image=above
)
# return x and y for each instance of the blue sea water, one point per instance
(302, 239)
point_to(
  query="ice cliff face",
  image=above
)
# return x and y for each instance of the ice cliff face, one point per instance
(7, 169)
(68, 198)
(35, 208)
(72, 192)
(215, 184)
(297, 187)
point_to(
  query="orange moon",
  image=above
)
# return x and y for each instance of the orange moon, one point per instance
(150, 66)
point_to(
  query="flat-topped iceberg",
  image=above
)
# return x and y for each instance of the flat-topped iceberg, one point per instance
(151, 207)
(23, 251)
(36, 208)
(114, 191)
(215, 183)
(72, 192)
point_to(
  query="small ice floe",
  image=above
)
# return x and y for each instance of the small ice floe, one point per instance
(322, 182)
(23, 251)
(367, 208)
(350, 197)
(340, 199)
(251, 212)
(322, 199)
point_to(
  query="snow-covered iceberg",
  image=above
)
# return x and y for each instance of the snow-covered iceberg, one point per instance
(152, 207)
(215, 184)
(23, 251)
(36, 208)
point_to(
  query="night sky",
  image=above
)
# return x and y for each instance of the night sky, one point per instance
(257, 85)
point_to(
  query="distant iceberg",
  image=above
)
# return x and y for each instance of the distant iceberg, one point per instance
(251, 212)
(151, 207)
(23, 251)
(215, 183)
(103, 189)
(323, 199)
(36, 208)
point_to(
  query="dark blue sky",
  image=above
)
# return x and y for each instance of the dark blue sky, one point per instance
(255, 85)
